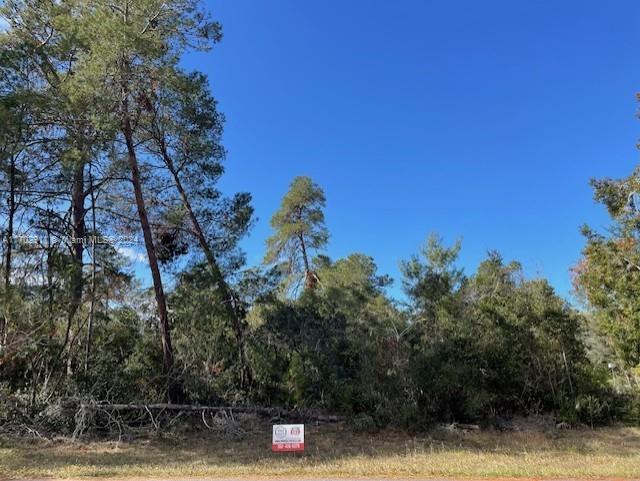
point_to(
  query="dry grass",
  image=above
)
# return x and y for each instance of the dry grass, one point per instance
(333, 451)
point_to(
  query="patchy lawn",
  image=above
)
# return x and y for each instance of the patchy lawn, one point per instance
(334, 451)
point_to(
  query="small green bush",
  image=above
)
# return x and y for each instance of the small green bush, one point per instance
(362, 422)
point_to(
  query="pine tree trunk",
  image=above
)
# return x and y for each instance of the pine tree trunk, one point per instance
(232, 305)
(77, 207)
(310, 278)
(92, 305)
(4, 319)
(165, 331)
(49, 297)
(77, 277)
(12, 203)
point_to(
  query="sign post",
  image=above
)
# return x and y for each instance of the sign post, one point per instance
(287, 438)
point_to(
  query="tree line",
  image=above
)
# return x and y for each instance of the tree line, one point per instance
(107, 142)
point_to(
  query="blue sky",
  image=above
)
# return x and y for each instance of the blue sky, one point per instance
(479, 120)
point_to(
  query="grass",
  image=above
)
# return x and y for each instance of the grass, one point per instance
(334, 451)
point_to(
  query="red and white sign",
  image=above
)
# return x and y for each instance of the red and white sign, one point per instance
(287, 437)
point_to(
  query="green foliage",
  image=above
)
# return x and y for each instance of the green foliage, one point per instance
(469, 348)
(123, 343)
(591, 409)
(493, 343)
(608, 276)
(186, 131)
(362, 422)
(205, 343)
(299, 228)
(461, 347)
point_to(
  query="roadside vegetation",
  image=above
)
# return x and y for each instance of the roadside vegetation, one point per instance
(105, 137)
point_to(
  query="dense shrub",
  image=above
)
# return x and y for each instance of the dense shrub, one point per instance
(462, 348)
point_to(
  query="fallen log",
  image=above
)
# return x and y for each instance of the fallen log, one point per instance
(258, 410)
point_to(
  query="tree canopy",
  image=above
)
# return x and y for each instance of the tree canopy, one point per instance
(110, 149)
(298, 230)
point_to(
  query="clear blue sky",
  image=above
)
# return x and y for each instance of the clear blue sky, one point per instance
(480, 120)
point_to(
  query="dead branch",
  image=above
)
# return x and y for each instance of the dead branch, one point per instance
(258, 410)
